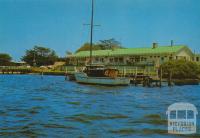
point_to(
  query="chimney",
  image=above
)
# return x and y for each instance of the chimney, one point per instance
(155, 45)
(172, 42)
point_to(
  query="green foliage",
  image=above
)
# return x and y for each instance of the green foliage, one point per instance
(181, 69)
(5, 59)
(40, 56)
(86, 47)
(101, 45)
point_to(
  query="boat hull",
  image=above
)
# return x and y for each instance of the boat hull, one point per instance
(118, 81)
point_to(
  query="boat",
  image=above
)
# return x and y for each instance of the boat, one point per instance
(98, 74)
(82, 77)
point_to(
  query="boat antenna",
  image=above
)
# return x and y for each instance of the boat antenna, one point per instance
(91, 32)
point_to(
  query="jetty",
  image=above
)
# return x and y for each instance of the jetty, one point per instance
(14, 70)
(29, 70)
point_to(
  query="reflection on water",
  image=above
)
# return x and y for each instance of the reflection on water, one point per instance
(51, 107)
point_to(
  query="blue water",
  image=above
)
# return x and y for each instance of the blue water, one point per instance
(52, 107)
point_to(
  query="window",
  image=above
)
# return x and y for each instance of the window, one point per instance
(197, 58)
(181, 114)
(173, 114)
(190, 114)
(111, 60)
(132, 59)
(121, 60)
(116, 59)
(102, 59)
(137, 59)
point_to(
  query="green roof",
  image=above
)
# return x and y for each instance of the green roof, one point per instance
(132, 51)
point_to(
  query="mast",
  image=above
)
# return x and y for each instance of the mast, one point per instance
(91, 32)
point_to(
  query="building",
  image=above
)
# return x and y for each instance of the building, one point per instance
(154, 55)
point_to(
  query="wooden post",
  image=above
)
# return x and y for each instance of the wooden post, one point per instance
(144, 81)
(42, 74)
(136, 71)
(124, 71)
(149, 83)
(65, 73)
(135, 77)
(148, 71)
(132, 72)
(157, 73)
(160, 77)
(170, 79)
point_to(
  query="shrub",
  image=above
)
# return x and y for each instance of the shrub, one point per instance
(181, 69)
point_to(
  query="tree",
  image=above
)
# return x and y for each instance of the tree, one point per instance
(101, 45)
(109, 44)
(40, 56)
(181, 69)
(5, 59)
(86, 47)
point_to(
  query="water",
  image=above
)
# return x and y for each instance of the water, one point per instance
(51, 107)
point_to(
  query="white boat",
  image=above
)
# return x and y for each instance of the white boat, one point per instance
(82, 77)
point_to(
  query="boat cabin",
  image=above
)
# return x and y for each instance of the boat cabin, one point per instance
(100, 71)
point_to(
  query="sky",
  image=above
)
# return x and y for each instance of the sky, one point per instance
(58, 24)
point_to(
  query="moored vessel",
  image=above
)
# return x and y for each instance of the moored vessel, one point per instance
(99, 75)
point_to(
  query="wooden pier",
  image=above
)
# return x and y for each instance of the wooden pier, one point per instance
(144, 77)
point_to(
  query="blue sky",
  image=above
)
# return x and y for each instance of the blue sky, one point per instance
(58, 24)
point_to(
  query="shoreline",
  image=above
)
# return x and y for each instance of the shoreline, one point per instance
(36, 73)
(177, 82)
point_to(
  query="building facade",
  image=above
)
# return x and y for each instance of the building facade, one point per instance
(154, 55)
